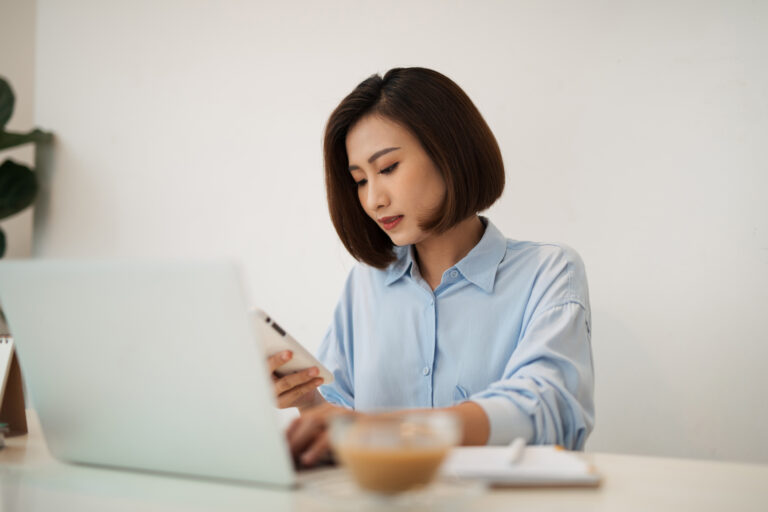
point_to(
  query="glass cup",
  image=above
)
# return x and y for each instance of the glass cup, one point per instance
(392, 453)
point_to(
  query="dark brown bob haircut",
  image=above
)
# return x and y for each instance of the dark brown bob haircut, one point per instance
(451, 131)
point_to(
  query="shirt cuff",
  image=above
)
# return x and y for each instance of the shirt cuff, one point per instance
(333, 397)
(506, 419)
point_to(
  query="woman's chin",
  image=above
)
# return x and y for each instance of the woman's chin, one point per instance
(404, 238)
(399, 239)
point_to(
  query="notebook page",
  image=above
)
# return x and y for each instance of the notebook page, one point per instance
(538, 465)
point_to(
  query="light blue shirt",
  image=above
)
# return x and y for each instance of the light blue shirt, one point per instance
(508, 328)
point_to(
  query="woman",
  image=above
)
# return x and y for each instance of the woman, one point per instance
(442, 311)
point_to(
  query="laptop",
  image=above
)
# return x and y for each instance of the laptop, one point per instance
(146, 365)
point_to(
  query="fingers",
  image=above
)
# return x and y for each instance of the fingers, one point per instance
(295, 394)
(290, 381)
(308, 435)
(277, 360)
(318, 450)
(303, 432)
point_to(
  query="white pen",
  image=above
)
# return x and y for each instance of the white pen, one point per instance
(515, 450)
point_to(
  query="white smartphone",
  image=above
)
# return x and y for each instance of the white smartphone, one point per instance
(275, 340)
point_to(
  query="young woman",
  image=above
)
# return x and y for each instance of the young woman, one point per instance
(442, 311)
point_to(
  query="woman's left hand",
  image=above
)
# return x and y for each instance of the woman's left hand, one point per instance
(308, 435)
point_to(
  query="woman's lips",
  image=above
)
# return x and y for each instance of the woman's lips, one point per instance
(390, 222)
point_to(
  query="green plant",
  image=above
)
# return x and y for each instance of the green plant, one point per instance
(18, 183)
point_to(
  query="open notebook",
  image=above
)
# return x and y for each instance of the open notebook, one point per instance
(537, 466)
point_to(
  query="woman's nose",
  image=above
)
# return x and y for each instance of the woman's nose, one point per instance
(377, 196)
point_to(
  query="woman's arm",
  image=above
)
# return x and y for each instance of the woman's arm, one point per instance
(474, 421)
(545, 393)
(309, 441)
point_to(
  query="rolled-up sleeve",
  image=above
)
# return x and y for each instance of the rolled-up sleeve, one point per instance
(336, 351)
(546, 392)
(333, 357)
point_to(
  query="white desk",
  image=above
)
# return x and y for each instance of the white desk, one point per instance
(30, 480)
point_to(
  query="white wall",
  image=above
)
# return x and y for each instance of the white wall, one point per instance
(17, 65)
(635, 132)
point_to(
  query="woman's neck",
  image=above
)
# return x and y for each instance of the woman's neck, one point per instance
(438, 253)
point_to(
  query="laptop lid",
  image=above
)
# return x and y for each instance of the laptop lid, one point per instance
(146, 365)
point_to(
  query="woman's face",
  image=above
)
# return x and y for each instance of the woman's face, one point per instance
(397, 183)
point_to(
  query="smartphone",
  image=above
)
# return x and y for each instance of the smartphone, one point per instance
(275, 340)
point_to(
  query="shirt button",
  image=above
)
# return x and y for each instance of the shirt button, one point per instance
(454, 274)
(425, 371)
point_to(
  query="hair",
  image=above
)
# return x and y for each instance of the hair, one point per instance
(451, 131)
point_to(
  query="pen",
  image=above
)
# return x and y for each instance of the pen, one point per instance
(515, 450)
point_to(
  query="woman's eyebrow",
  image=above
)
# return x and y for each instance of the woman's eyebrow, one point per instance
(374, 157)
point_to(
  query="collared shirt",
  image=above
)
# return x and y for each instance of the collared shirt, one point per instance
(508, 328)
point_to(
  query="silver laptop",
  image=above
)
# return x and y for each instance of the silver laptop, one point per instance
(146, 365)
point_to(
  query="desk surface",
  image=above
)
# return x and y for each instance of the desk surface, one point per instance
(30, 480)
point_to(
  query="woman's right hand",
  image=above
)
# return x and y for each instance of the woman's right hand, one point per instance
(295, 389)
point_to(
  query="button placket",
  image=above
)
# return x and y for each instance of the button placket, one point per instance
(426, 371)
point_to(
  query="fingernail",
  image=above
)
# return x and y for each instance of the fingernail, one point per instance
(286, 356)
(306, 459)
(313, 372)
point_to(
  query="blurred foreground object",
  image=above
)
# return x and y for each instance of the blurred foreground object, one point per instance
(388, 454)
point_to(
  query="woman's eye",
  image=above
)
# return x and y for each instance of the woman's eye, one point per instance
(389, 169)
(386, 170)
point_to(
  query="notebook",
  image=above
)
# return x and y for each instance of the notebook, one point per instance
(146, 365)
(537, 466)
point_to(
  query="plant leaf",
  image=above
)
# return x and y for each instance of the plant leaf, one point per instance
(18, 188)
(11, 139)
(6, 102)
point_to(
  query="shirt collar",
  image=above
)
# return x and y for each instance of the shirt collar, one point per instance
(479, 266)
(402, 264)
